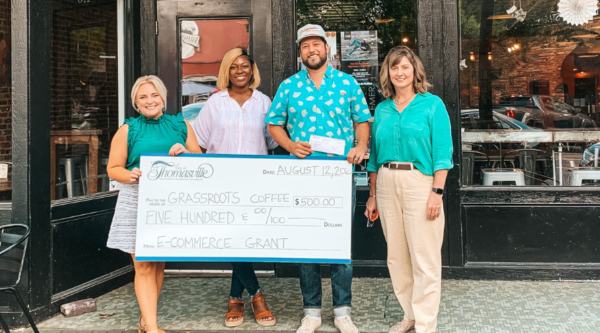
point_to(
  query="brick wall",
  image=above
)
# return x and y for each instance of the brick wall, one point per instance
(5, 85)
(517, 70)
(539, 59)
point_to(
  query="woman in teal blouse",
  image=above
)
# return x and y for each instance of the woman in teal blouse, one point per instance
(411, 153)
(152, 132)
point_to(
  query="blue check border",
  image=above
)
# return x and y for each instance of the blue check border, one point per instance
(237, 259)
(274, 157)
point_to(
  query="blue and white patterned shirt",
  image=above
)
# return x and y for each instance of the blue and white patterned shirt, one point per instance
(328, 111)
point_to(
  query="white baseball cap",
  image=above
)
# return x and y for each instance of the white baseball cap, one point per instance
(310, 30)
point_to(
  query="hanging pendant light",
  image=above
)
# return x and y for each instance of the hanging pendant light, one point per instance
(518, 14)
(577, 12)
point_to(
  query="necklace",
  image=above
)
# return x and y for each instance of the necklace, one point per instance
(406, 100)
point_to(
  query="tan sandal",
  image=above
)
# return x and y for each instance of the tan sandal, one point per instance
(235, 308)
(156, 330)
(141, 325)
(261, 310)
(143, 328)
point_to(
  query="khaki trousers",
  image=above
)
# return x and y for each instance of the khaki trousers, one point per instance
(413, 244)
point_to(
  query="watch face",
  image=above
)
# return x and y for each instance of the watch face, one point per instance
(438, 190)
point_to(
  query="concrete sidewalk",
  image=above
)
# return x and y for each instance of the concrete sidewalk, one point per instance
(467, 306)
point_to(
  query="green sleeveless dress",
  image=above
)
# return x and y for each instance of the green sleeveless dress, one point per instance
(153, 136)
(145, 136)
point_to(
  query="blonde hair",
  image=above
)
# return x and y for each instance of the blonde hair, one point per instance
(394, 56)
(228, 59)
(156, 82)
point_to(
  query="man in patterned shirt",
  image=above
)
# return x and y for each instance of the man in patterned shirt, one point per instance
(325, 102)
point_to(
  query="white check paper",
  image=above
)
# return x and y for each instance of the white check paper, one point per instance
(327, 145)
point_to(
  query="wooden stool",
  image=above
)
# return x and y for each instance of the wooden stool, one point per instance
(75, 137)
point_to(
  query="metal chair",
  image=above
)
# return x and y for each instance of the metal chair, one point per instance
(103, 177)
(578, 175)
(12, 257)
(70, 164)
(527, 161)
(468, 165)
(503, 176)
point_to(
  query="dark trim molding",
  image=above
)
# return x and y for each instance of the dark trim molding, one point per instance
(284, 45)
(148, 37)
(132, 51)
(533, 265)
(92, 283)
(525, 273)
(438, 47)
(31, 139)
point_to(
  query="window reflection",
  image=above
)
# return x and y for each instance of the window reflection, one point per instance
(203, 45)
(84, 88)
(529, 89)
(5, 103)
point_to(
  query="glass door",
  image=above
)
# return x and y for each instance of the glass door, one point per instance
(192, 39)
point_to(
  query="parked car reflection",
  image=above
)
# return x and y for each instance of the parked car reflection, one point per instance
(470, 119)
(543, 111)
(190, 111)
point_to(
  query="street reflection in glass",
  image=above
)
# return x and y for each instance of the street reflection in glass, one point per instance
(203, 45)
(529, 90)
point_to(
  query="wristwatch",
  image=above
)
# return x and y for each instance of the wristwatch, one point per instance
(437, 190)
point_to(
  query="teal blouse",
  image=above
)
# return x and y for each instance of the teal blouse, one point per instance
(153, 136)
(420, 135)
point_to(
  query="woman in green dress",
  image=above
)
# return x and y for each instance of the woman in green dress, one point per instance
(152, 132)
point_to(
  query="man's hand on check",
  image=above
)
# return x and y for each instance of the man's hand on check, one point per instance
(357, 154)
(300, 149)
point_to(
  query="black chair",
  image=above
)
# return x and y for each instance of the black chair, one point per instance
(468, 165)
(13, 244)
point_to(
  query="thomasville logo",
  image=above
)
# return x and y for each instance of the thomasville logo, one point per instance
(161, 170)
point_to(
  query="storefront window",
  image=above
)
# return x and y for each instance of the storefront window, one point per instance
(85, 95)
(5, 103)
(530, 94)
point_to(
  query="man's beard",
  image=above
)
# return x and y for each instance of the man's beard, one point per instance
(323, 61)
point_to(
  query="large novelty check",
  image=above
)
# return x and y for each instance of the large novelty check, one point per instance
(244, 208)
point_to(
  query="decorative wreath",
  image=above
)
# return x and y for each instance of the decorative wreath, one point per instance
(577, 12)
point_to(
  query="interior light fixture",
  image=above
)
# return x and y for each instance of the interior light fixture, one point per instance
(499, 17)
(588, 56)
(472, 56)
(517, 46)
(585, 36)
(384, 20)
(404, 40)
(490, 56)
(509, 49)
(574, 69)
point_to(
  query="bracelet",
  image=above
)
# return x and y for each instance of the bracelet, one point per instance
(371, 196)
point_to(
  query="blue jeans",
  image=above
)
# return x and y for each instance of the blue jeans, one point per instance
(341, 279)
(341, 285)
(243, 277)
